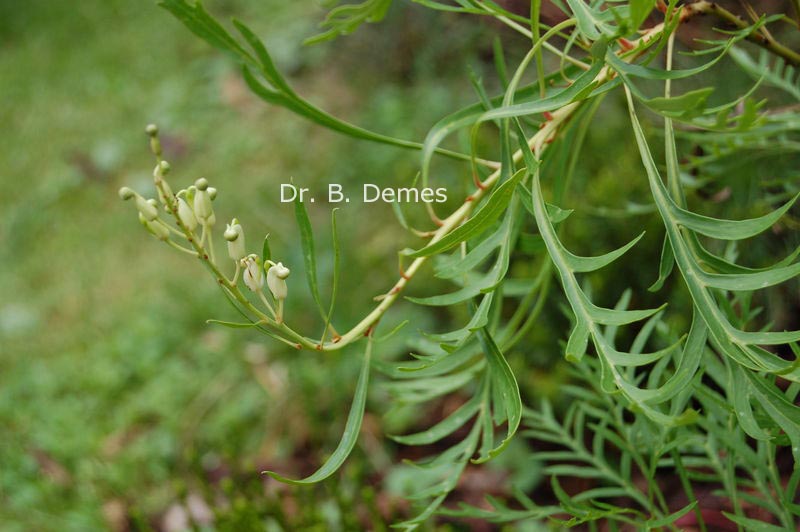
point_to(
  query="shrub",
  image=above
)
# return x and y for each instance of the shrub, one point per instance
(697, 391)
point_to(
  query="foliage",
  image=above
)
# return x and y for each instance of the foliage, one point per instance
(705, 372)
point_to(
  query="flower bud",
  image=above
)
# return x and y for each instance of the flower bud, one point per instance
(202, 201)
(156, 229)
(253, 274)
(155, 144)
(126, 193)
(146, 209)
(212, 193)
(276, 281)
(186, 215)
(164, 192)
(234, 234)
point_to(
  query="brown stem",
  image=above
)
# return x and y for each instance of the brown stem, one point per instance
(758, 37)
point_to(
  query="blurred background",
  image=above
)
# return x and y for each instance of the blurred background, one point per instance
(120, 407)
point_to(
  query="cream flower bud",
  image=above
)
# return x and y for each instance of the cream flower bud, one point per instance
(186, 215)
(276, 280)
(155, 144)
(234, 234)
(253, 274)
(161, 170)
(156, 229)
(146, 209)
(212, 193)
(164, 192)
(202, 201)
(126, 193)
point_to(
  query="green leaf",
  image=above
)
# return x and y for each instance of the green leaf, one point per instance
(590, 264)
(345, 19)
(639, 11)
(586, 20)
(578, 342)
(309, 254)
(268, 68)
(665, 266)
(266, 253)
(461, 265)
(233, 325)
(644, 72)
(729, 229)
(576, 90)
(736, 344)
(607, 316)
(687, 367)
(777, 76)
(197, 19)
(671, 518)
(199, 22)
(750, 281)
(480, 318)
(351, 430)
(391, 333)
(475, 114)
(499, 62)
(741, 394)
(589, 315)
(439, 6)
(505, 388)
(573, 471)
(557, 214)
(784, 413)
(483, 218)
(687, 105)
(444, 428)
(753, 525)
(335, 280)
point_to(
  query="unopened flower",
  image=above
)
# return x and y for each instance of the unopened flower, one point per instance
(234, 234)
(276, 281)
(188, 193)
(147, 208)
(202, 201)
(164, 190)
(152, 132)
(253, 274)
(186, 215)
(125, 193)
(155, 228)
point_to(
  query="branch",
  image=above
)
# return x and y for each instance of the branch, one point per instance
(758, 37)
